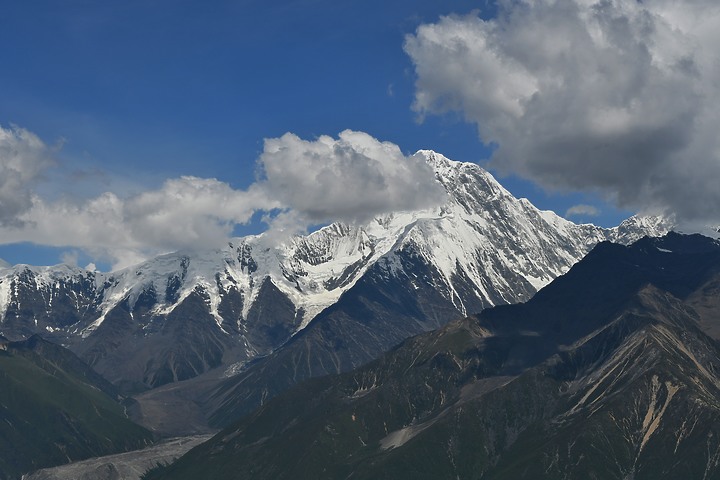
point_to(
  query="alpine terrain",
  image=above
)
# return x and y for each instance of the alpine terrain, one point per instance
(201, 338)
(361, 288)
(612, 371)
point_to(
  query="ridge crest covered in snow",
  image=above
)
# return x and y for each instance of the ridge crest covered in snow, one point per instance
(504, 248)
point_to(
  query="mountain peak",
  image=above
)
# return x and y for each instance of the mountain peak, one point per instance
(482, 247)
(445, 167)
(559, 389)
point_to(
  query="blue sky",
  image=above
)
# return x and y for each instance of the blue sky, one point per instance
(155, 89)
(126, 95)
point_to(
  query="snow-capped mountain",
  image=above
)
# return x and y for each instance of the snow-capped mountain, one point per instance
(177, 315)
(611, 371)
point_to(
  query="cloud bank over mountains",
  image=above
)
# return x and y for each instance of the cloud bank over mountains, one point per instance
(352, 178)
(617, 96)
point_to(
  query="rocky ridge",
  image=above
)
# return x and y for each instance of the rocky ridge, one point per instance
(182, 314)
(611, 371)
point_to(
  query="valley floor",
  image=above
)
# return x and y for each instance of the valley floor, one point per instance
(128, 466)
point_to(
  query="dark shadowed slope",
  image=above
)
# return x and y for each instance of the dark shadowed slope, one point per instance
(54, 409)
(606, 373)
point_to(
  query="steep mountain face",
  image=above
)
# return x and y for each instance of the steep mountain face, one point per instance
(609, 372)
(55, 409)
(178, 315)
(487, 248)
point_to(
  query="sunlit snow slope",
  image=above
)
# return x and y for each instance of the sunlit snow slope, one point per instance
(247, 299)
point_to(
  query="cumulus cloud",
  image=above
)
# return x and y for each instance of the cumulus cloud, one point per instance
(185, 213)
(614, 96)
(351, 178)
(191, 211)
(585, 210)
(23, 157)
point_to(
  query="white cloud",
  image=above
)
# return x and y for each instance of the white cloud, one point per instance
(190, 212)
(23, 157)
(284, 224)
(185, 213)
(70, 257)
(614, 96)
(353, 177)
(582, 210)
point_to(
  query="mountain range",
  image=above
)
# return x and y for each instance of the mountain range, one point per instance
(179, 315)
(612, 371)
(258, 316)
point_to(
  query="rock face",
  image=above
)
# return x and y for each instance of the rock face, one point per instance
(179, 315)
(611, 371)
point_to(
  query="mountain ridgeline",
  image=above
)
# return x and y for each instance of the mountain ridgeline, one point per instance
(612, 371)
(346, 293)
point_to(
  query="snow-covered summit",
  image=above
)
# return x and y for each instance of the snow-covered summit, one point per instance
(480, 217)
(483, 245)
